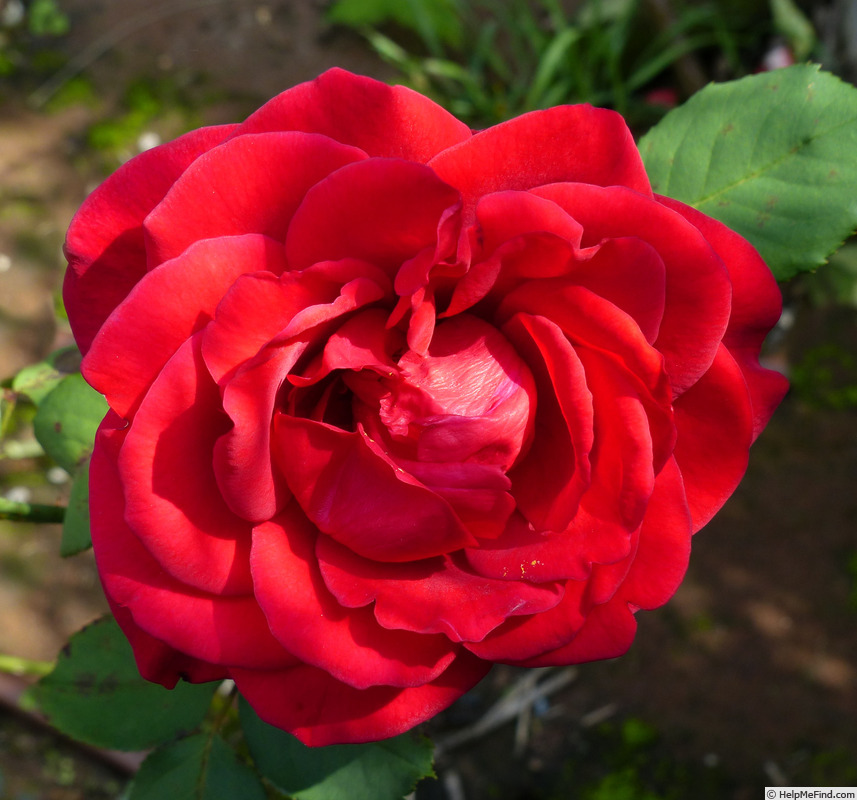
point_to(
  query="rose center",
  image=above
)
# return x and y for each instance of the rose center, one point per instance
(470, 398)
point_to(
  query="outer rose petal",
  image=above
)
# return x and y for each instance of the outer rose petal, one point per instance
(382, 120)
(207, 627)
(430, 596)
(527, 637)
(568, 143)
(105, 248)
(756, 307)
(165, 308)
(347, 643)
(172, 501)
(275, 169)
(160, 663)
(657, 568)
(698, 300)
(320, 710)
(714, 420)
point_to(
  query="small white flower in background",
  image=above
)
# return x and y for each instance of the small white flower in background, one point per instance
(147, 140)
(57, 476)
(19, 494)
(11, 13)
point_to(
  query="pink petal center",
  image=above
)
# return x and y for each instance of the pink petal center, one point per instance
(469, 399)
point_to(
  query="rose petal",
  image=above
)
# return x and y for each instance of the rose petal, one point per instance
(634, 435)
(656, 571)
(567, 143)
(166, 307)
(347, 643)
(520, 638)
(518, 237)
(714, 420)
(608, 633)
(275, 169)
(361, 342)
(242, 456)
(550, 480)
(521, 552)
(588, 320)
(172, 500)
(504, 215)
(242, 460)
(663, 550)
(382, 120)
(478, 493)
(160, 663)
(320, 710)
(629, 273)
(614, 345)
(383, 211)
(756, 307)
(351, 492)
(698, 300)
(206, 627)
(260, 308)
(432, 596)
(105, 248)
(469, 398)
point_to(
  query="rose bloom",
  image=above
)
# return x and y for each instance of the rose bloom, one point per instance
(393, 401)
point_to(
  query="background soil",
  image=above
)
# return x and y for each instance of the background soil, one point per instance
(747, 678)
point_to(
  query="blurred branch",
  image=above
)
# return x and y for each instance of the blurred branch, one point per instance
(16, 450)
(519, 700)
(30, 512)
(107, 42)
(24, 666)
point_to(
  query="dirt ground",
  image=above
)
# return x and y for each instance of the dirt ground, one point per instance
(747, 678)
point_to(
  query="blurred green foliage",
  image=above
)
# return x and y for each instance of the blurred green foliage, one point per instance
(28, 29)
(627, 760)
(507, 57)
(826, 377)
(163, 106)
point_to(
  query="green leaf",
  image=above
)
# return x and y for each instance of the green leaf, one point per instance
(773, 156)
(38, 380)
(67, 420)
(386, 770)
(95, 694)
(46, 19)
(200, 767)
(75, 527)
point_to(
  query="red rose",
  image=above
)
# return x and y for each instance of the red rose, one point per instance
(392, 401)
